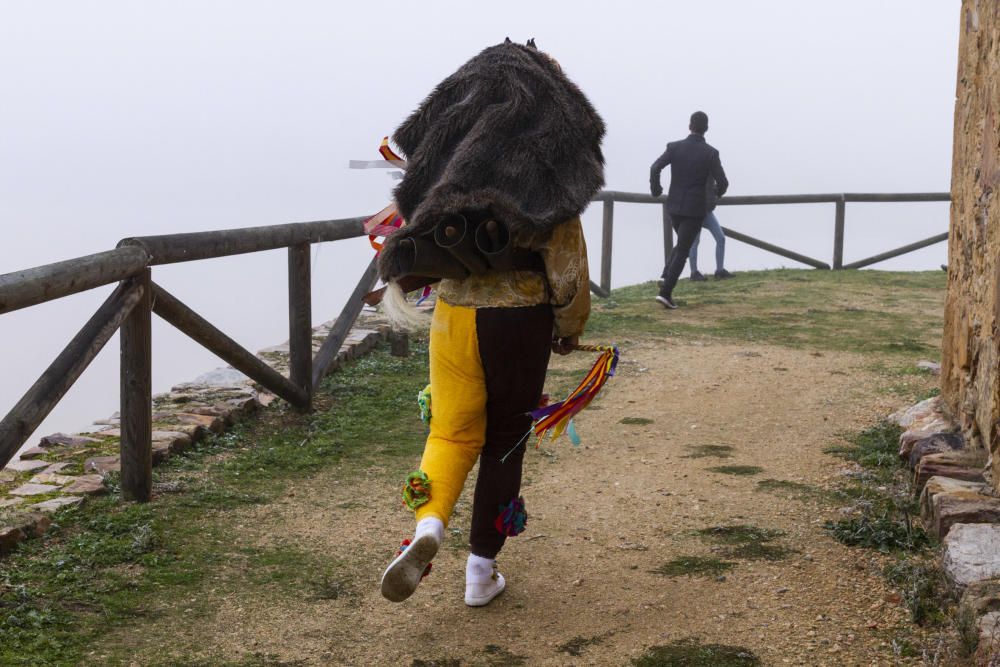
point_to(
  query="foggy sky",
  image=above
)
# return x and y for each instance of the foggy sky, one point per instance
(130, 118)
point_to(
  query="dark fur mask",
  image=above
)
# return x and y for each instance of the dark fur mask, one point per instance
(508, 136)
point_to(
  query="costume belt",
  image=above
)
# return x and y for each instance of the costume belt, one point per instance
(456, 248)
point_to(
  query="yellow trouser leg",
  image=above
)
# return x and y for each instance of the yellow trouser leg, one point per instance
(458, 408)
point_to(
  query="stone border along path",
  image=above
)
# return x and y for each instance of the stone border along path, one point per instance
(63, 469)
(961, 509)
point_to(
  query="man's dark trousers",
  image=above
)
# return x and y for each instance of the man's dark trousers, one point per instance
(687, 229)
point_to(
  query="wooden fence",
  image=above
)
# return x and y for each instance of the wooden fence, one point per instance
(610, 197)
(130, 306)
(136, 297)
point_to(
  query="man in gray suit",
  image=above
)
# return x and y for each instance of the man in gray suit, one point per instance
(692, 162)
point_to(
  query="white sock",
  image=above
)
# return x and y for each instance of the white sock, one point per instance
(477, 566)
(432, 525)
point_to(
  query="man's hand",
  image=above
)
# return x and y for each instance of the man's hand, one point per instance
(656, 192)
(565, 344)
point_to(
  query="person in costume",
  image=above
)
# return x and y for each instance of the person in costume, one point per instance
(502, 158)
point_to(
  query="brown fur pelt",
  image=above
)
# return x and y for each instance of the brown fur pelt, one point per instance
(508, 136)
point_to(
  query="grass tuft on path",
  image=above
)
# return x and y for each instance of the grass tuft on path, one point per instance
(693, 566)
(705, 451)
(740, 471)
(692, 653)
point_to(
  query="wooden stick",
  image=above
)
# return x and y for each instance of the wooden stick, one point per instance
(881, 257)
(331, 346)
(194, 325)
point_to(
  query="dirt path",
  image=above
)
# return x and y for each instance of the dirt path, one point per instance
(582, 586)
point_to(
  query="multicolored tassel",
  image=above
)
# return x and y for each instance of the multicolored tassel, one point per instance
(416, 490)
(555, 418)
(513, 518)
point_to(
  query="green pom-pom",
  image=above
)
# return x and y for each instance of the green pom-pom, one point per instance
(417, 489)
(424, 401)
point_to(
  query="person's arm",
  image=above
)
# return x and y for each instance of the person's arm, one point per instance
(721, 182)
(565, 256)
(654, 173)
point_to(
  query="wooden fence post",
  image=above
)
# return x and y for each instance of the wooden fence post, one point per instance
(606, 238)
(668, 236)
(136, 446)
(300, 354)
(399, 344)
(838, 234)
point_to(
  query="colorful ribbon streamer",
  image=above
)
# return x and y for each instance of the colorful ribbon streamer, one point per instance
(554, 419)
(387, 221)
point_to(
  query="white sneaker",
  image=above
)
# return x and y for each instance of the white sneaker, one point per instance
(482, 581)
(405, 572)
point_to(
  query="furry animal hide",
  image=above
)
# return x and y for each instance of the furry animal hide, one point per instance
(508, 136)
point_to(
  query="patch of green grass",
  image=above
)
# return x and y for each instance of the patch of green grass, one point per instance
(737, 470)
(692, 653)
(741, 534)
(704, 451)
(255, 659)
(859, 311)
(922, 586)
(884, 516)
(499, 656)
(576, 645)
(747, 542)
(966, 624)
(635, 421)
(693, 566)
(788, 488)
(759, 551)
(885, 531)
(875, 448)
(328, 587)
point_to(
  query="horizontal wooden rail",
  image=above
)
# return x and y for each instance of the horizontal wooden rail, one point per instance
(172, 248)
(57, 379)
(750, 200)
(203, 332)
(30, 287)
(889, 254)
(904, 197)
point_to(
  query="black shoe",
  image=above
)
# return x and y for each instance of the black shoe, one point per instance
(722, 274)
(666, 301)
(697, 277)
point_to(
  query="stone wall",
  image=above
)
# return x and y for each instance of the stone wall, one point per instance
(971, 355)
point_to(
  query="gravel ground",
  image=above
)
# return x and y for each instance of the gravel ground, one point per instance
(581, 583)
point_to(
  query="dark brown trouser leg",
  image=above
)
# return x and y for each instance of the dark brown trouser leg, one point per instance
(514, 345)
